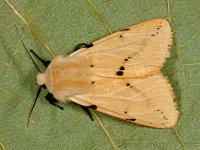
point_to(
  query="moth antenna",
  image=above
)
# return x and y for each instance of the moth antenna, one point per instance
(35, 100)
(36, 66)
(44, 62)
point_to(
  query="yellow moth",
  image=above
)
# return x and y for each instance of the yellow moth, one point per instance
(118, 75)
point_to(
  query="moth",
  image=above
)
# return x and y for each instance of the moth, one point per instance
(118, 75)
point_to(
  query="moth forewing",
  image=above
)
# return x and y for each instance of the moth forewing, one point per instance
(120, 75)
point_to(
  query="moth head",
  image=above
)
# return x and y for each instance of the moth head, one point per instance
(40, 76)
(41, 80)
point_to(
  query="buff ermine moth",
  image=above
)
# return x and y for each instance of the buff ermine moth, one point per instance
(118, 75)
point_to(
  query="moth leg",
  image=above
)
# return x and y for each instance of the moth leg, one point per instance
(44, 62)
(49, 97)
(82, 45)
(86, 109)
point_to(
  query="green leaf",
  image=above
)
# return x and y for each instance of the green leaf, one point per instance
(61, 25)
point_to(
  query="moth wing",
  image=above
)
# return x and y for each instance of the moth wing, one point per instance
(125, 75)
(139, 50)
(147, 101)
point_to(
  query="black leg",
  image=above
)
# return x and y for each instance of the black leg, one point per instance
(44, 62)
(49, 97)
(82, 45)
(86, 109)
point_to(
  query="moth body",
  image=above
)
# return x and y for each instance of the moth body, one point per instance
(65, 77)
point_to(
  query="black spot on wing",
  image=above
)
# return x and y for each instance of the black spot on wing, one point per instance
(127, 59)
(119, 73)
(165, 118)
(163, 114)
(154, 34)
(128, 84)
(122, 68)
(133, 119)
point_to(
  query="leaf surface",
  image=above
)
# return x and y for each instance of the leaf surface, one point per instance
(61, 25)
